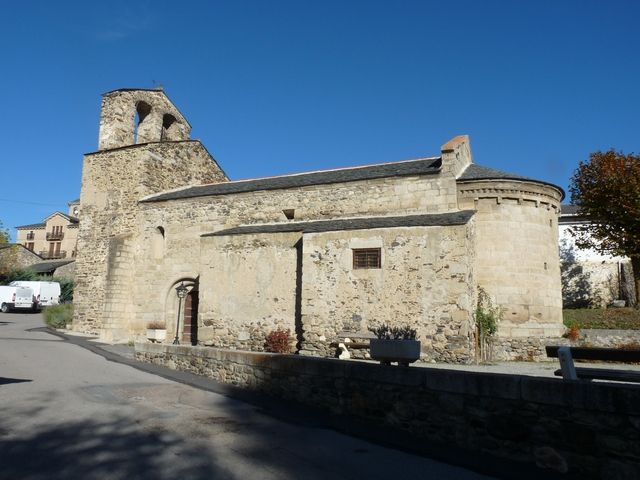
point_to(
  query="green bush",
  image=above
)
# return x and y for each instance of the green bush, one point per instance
(18, 274)
(66, 288)
(58, 316)
(607, 318)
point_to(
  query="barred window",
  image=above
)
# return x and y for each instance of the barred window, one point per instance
(366, 258)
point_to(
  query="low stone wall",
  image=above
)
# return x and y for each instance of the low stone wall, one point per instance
(586, 430)
(609, 338)
(525, 349)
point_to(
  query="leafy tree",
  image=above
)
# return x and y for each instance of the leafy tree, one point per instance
(606, 188)
(4, 234)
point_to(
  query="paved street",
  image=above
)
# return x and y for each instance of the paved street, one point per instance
(68, 413)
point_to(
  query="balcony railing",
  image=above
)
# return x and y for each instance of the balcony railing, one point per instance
(55, 235)
(30, 236)
(51, 255)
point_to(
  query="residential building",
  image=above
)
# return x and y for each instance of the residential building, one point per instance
(55, 237)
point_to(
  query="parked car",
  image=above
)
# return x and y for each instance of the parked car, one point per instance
(45, 294)
(15, 298)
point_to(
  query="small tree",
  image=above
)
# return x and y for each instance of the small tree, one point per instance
(4, 234)
(606, 188)
(487, 316)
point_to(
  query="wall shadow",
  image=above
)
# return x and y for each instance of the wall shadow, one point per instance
(118, 449)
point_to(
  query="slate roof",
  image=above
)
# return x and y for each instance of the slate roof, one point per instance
(32, 225)
(569, 209)
(366, 223)
(64, 215)
(46, 267)
(423, 166)
(478, 172)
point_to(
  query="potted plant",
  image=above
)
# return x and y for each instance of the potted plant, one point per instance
(156, 331)
(394, 344)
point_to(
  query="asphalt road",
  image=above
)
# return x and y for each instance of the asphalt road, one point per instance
(68, 413)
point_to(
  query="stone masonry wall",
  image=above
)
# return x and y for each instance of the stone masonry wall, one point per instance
(580, 429)
(425, 281)
(112, 183)
(247, 289)
(185, 254)
(118, 117)
(517, 261)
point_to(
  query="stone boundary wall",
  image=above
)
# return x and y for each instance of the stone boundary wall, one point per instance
(583, 429)
(532, 349)
(608, 338)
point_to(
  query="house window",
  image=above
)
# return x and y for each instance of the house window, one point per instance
(366, 258)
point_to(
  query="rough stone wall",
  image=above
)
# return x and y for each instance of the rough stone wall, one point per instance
(185, 220)
(548, 426)
(16, 256)
(248, 289)
(425, 281)
(517, 245)
(66, 271)
(118, 114)
(108, 241)
(456, 156)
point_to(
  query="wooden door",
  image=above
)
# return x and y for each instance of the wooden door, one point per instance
(190, 319)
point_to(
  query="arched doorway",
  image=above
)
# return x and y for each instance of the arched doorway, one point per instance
(190, 318)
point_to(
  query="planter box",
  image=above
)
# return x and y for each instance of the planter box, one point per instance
(156, 335)
(402, 351)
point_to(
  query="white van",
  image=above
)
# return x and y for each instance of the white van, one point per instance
(45, 294)
(15, 298)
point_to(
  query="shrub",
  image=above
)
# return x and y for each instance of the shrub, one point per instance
(25, 274)
(58, 316)
(278, 341)
(574, 333)
(66, 287)
(385, 332)
(487, 317)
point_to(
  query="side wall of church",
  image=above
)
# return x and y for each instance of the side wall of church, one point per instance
(248, 288)
(426, 281)
(186, 255)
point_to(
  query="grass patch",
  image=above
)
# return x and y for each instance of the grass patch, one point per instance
(58, 316)
(608, 318)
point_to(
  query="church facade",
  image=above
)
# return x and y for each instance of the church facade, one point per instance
(317, 253)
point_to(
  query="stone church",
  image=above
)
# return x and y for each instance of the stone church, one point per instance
(403, 243)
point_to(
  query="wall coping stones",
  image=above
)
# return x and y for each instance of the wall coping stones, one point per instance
(594, 396)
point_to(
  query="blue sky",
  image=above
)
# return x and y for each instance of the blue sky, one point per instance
(285, 86)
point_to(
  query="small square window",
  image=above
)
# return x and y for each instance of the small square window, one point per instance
(366, 258)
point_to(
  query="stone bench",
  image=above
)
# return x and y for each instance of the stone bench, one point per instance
(351, 340)
(568, 371)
